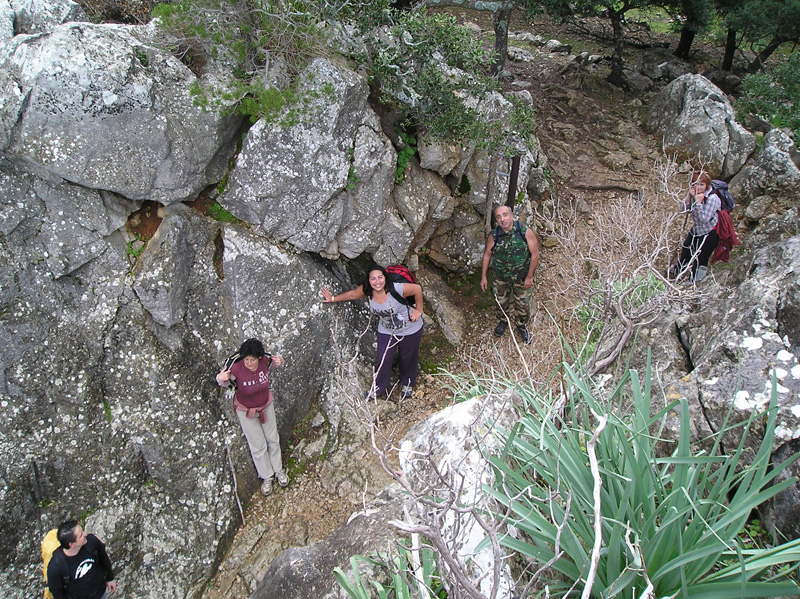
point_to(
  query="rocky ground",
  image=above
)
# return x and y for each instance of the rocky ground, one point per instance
(591, 133)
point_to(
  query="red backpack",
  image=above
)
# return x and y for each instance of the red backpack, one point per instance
(400, 274)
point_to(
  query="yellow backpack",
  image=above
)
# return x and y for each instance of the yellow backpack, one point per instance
(49, 545)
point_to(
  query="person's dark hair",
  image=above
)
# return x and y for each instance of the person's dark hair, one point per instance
(703, 177)
(66, 533)
(365, 283)
(252, 347)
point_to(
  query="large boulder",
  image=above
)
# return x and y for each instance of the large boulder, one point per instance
(100, 417)
(303, 572)
(322, 183)
(94, 106)
(461, 434)
(774, 172)
(695, 118)
(457, 245)
(444, 458)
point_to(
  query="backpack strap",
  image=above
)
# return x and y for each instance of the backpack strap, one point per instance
(518, 229)
(59, 560)
(398, 296)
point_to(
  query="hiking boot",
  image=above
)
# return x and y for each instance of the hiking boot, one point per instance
(701, 273)
(266, 487)
(282, 478)
(406, 391)
(500, 328)
(524, 334)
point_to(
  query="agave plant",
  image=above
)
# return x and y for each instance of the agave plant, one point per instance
(668, 526)
(405, 574)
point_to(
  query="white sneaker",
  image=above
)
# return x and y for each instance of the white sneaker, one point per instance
(283, 478)
(266, 487)
(406, 391)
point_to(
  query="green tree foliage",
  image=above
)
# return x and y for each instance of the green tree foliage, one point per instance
(432, 71)
(435, 72)
(774, 95)
(763, 25)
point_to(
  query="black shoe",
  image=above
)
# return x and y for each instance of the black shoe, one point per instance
(524, 334)
(500, 328)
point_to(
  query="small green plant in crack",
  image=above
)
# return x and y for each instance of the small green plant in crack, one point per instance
(107, 410)
(352, 178)
(404, 155)
(220, 214)
(133, 247)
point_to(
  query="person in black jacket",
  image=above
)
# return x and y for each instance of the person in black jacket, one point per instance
(80, 568)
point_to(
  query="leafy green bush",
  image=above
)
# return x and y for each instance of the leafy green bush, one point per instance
(669, 525)
(433, 71)
(404, 155)
(774, 95)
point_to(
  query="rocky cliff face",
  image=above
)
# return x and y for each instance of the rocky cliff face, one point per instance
(110, 344)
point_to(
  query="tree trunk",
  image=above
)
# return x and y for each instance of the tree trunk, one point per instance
(511, 198)
(685, 43)
(490, 193)
(762, 57)
(617, 77)
(501, 21)
(730, 50)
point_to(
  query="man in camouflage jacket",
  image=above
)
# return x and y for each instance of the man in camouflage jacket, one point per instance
(512, 251)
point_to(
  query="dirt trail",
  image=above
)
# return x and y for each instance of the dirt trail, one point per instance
(596, 150)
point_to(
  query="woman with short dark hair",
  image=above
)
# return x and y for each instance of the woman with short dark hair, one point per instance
(253, 404)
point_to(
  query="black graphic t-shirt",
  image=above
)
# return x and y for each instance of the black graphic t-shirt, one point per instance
(87, 572)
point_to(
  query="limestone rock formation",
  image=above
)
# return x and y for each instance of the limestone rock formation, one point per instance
(323, 183)
(774, 171)
(38, 16)
(92, 105)
(695, 118)
(302, 572)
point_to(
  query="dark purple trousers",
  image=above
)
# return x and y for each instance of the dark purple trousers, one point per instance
(408, 349)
